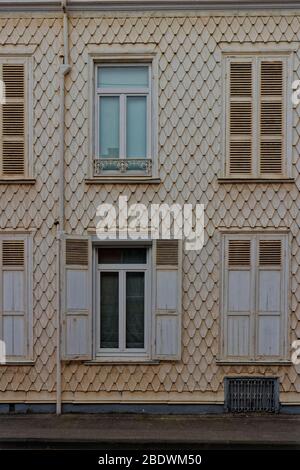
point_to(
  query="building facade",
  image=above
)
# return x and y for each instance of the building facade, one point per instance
(161, 105)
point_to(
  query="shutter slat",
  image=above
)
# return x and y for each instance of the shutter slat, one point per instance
(239, 253)
(240, 117)
(13, 120)
(167, 252)
(77, 252)
(238, 125)
(271, 78)
(13, 77)
(240, 157)
(271, 117)
(13, 253)
(271, 157)
(270, 252)
(13, 158)
(241, 79)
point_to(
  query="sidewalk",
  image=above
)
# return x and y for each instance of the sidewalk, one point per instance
(123, 430)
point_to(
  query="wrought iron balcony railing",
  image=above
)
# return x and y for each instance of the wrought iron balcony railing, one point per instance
(128, 166)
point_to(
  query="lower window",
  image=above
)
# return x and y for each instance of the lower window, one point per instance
(123, 316)
(255, 297)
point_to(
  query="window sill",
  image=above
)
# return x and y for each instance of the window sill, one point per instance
(123, 180)
(17, 181)
(274, 362)
(231, 180)
(108, 361)
(18, 363)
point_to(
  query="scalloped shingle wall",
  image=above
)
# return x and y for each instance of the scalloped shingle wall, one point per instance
(189, 162)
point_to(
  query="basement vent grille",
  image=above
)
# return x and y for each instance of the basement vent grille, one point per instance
(251, 394)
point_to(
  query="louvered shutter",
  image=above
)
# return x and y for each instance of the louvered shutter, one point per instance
(168, 276)
(240, 117)
(271, 116)
(77, 316)
(238, 301)
(15, 301)
(271, 294)
(12, 119)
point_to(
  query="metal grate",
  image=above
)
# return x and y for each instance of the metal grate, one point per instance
(251, 394)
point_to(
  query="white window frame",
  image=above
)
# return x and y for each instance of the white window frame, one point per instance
(118, 56)
(123, 93)
(21, 55)
(248, 54)
(254, 270)
(28, 294)
(121, 353)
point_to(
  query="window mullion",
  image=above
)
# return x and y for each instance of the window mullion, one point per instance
(122, 153)
(97, 127)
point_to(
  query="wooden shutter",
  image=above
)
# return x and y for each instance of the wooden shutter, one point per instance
(77, 317)
(255, 297)
(12, 120)
(240, 118)
(15, 300)
(167, 324)
(271, 116)
(271, 293)
(238, 298)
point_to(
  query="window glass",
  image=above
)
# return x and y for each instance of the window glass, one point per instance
(109, 129)
(136, 132)
(109, 308)
(122, 256)
(135, 300)
(119, 77)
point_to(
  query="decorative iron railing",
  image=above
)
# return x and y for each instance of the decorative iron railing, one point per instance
(127, 166)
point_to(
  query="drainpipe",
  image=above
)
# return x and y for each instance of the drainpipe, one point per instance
(63, 71)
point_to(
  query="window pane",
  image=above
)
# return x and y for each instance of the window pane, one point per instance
(136, 133)
(109, 126)
(135, 310)
(109, 310)
(122, 256)
(118, 77)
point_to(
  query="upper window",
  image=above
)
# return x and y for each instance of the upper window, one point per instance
(254, 299)
(256, 114)
(14, 123)
(123, 119)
